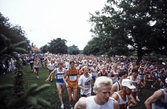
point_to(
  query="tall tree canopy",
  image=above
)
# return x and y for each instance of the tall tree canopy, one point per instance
(45, 48)
(57, 46)
(124, 23)
(73, 50)
(14, 33)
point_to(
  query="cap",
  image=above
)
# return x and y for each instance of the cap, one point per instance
(128, 83)
(163, 63)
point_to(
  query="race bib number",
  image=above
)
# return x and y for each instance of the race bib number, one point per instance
(31, 61)
(59, 76)
(87, 86)
(73, 78)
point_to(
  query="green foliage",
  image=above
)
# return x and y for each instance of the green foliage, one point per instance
(44, 49)
(35, 90)
(130, 23)
(18, 83)
(10, 48)
(57, 46)
(14, 33)
(21, 98)
(73, 50)
(27, 99)
(4, 92)
(93, 47)
(51, 93)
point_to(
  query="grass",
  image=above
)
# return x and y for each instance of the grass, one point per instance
(51, 93)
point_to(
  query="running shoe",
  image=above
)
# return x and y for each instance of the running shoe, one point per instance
(62, 106)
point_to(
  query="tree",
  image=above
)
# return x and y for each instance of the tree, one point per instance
(130, 24)
(58, 46)
(12, 40)
(73, 50)
(14, 33)
(92, 47)
(45, 48)
(22, 98)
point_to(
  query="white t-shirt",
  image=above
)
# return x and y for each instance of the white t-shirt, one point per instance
(67, 65)
(85, 82)
(51, 66)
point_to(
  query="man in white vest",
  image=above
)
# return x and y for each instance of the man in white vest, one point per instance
(102, 99)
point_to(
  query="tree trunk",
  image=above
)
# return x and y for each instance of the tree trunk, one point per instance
(139, 55)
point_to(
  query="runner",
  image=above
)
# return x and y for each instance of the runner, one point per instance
(102, 99)
(51, 67)
(123, 96)
(36, 67)
(158, 100)
(59, 72)
(85, 82)
(114, 73)
(136, 80)
(94, 71)
(117, 85)
(71, 80)
(102, 72)
(31, 61)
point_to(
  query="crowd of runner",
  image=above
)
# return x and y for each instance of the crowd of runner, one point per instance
(75, 72)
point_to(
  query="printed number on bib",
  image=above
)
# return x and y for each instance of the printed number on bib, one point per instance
(59, 76)
(73, 78)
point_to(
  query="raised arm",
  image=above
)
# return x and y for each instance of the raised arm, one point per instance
(51, 73)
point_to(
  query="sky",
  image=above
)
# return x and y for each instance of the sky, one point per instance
(45, 20)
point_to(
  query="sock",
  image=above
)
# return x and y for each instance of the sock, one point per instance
(127, 107)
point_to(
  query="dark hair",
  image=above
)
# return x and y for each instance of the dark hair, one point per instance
(135, 70)
(72, 62)
(121, 73)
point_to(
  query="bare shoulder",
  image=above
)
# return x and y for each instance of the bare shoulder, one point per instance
(67, 70)
(115, 96)
(116, 104)
(114, 86)
(157, 94)
(81, 104)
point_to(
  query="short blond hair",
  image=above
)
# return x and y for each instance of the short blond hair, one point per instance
(100, 82)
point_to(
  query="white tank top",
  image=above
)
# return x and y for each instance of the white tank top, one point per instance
(134, 83)
(165, 95)
(155, 106)
(121, 101)
(91, 104)
(59, 74)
